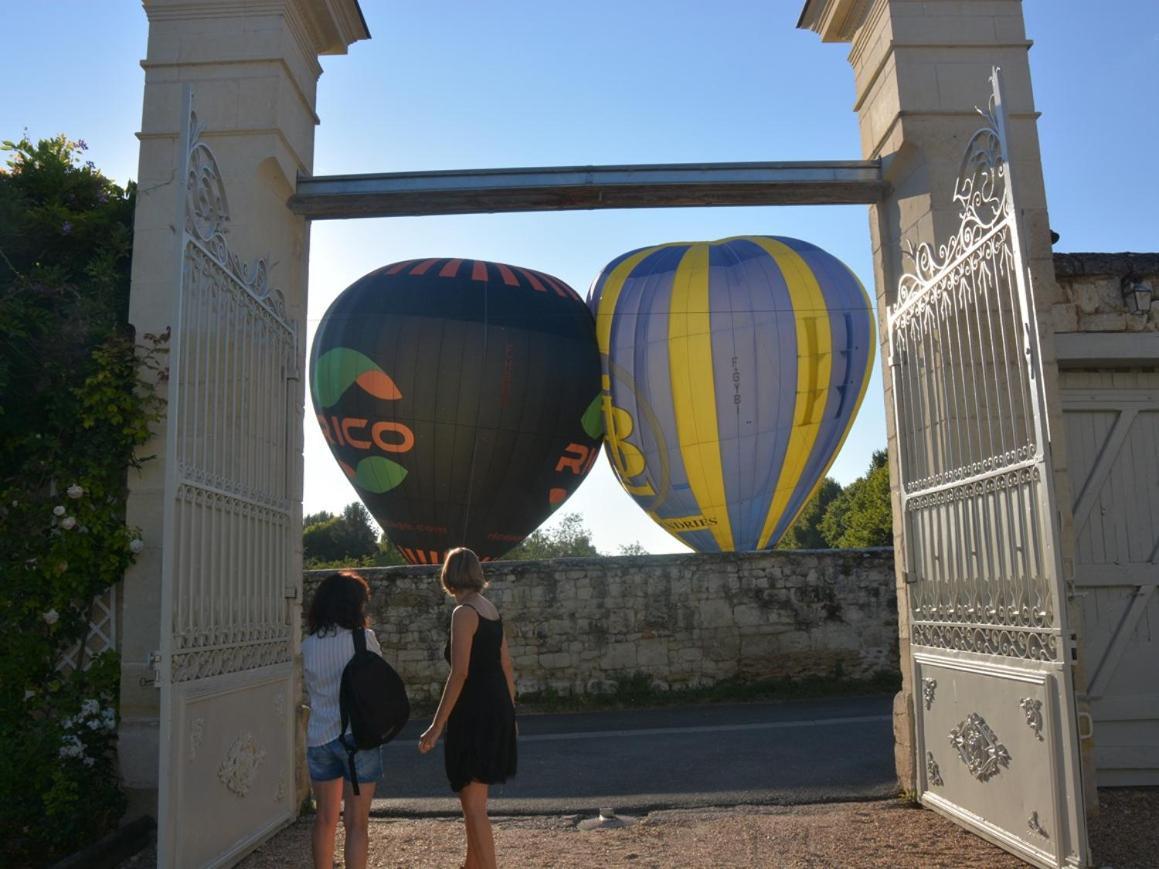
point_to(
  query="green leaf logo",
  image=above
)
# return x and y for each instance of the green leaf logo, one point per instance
(336, 370)
(377, 475)
(593, 419)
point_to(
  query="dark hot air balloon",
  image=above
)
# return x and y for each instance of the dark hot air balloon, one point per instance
(460, 397)
(732, 371)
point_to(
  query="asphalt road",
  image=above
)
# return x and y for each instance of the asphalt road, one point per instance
(806, 751)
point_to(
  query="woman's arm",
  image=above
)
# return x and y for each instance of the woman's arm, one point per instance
(464, 621)
(508, 670)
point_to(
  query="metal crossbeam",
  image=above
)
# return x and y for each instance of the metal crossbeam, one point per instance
(564, 188)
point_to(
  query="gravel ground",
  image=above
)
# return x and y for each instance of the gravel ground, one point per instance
(873, 834)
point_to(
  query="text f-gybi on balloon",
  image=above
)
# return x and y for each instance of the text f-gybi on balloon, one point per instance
(732, 371)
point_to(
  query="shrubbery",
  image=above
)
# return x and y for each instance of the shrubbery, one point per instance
(74, 407)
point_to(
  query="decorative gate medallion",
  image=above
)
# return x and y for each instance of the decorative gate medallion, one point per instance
(979, 748)
(229, 528)
(986, 601)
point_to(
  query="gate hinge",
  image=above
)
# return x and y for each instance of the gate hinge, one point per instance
(155, 663)
(291, 592)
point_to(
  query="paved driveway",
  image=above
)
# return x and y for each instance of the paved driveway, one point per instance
(807, 751)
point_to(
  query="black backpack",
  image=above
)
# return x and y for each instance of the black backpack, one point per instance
(372, 701)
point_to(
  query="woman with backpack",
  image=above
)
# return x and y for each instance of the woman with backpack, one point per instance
(477, 709)
(338, 608)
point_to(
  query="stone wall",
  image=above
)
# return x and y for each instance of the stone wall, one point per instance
(580, 625)
(1097, 292)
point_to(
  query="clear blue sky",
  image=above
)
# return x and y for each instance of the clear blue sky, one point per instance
(463, 84)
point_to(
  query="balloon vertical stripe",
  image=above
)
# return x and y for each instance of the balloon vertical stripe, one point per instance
(813, 344)
(731, 372)
(690, 363)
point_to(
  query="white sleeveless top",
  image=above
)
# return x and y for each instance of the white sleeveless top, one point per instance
(324, 657)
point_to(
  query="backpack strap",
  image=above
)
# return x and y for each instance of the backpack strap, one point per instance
(359, 636)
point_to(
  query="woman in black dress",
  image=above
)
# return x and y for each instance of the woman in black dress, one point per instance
(477, 709)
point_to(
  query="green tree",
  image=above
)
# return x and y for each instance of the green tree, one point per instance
(862, 515)
(567, 539)
(633, 548)
(805, 532)
(76, 402)
(387, 555)
(346, 539)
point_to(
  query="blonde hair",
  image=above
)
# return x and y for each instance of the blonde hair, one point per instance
(462, 572)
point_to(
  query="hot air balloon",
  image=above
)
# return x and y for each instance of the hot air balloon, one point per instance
(461, 399)
(731, 373)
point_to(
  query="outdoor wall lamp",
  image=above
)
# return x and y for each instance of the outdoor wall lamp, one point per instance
(1137, 294)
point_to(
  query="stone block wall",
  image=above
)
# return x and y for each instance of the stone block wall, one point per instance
(581, 625)
(1092, 297)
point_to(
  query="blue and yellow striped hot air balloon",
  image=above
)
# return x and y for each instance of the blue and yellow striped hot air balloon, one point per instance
(732, 371)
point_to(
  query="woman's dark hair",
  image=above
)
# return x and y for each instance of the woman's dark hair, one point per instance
(339, 602)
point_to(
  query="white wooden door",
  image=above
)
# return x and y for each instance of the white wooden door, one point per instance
(231, 517)
(1112, 423)
(996, 734)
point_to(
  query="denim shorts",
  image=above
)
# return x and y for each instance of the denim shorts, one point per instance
(330, 761)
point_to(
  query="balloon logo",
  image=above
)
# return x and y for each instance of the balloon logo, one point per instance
(731, 374)
(460, 398)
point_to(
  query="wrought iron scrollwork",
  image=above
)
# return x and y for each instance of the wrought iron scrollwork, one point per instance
(969, 421)
(981, 194)
(207, 220)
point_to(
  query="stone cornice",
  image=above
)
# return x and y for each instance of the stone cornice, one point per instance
(834, 20)
(333, 24)
(330, 25)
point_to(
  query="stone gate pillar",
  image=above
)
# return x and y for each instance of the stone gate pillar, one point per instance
(920, 69)
(253, 68)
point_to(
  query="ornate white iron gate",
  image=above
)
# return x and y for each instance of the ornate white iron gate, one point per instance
(227, 747)
(995, 720)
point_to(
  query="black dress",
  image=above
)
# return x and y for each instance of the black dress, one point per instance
(480, 740)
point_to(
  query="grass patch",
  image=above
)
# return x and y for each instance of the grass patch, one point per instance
(638, 691)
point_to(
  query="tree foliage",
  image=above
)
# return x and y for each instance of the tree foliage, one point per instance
(76, 403)
(805, 532)
(345, 539)
(567, 539)
(861, 515)
(856, 516)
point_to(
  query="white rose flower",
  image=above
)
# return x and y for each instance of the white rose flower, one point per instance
(51, 617)
(58, 510)
(90, 707)
(88, 761)
(29, 694)
(136, 545)
(74, 491)
(68, 523)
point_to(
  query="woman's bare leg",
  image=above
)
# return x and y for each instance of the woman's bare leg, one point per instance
(356, 819)
(480, 844)
(328, 797)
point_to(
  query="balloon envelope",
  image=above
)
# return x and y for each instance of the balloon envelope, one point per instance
(732, 371)
(460, 397)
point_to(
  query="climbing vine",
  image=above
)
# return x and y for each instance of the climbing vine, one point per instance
(76, 404)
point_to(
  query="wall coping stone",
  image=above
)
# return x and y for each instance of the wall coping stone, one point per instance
(1125, 263)
(493, 569)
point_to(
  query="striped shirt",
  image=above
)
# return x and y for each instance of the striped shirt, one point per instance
(324, 657)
